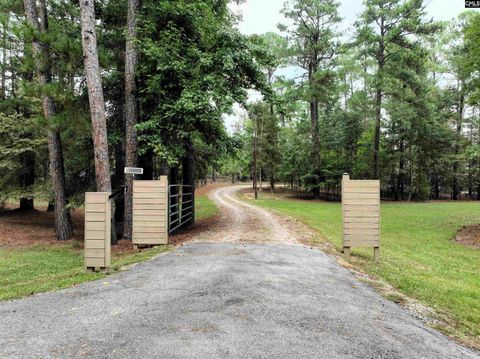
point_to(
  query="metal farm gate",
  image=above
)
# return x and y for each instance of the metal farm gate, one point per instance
(180, 206)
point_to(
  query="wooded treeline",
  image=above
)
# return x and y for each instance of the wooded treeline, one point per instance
(396, 98)
(88, 88)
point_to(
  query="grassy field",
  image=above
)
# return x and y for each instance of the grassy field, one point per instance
(418, 256)
(204, 207)
(40, 268)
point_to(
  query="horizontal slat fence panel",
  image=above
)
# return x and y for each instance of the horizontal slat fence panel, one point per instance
(97, 230)
(361, 214)
(150, 212)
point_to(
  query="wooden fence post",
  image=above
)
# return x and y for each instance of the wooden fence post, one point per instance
(150, 212)
(361, 214)
(97, 245)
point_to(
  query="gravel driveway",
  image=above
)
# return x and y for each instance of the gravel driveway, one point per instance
(228, 298)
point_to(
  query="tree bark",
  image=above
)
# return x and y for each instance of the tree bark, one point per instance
(146, 162)
(272, 180)
(378, 100)
(315, 128)
(376, 141)
(3, 90)
(456, 163)
(97, 102)
(118, 181)
(63, 223)
(27, 179)
(131, 113)
(95, 96)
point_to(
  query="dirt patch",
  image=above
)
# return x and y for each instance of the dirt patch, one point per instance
(25, 228)
(201, 226)
(469, 236)
(19, 229)
(203, 190)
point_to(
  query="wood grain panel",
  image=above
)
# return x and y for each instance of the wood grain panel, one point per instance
(97, 230)
(95, 226)
(360, 195)
(149, 195)
(149, 189)
(141, 222)
(362, 201)
(361, 220)
(95, 243)
(360, 231)
(351, 225)
(94, 235)
(89, 207)
(157, 241)
(159, 229)
(95, 252)
(156, 206)
(94, 262)
(356, 243)
(361, 213)
(150, 212)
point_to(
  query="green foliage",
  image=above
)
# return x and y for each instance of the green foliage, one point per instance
(417, 77)
(42, 268)
(195, 65)
(17, 140)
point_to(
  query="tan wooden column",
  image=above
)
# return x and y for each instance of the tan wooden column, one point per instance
(97, 245)
(361, 214)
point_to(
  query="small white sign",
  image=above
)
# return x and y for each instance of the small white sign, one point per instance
(133, 170)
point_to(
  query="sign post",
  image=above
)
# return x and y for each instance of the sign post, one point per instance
(133, 171)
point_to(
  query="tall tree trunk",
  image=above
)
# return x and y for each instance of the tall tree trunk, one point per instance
(131, 115)
(316, 157)
(118, 180)
(188, 174)
(315, 129)
(96, 101)
(3, 90)
(27, 179)
(400, 193)
(146, 162)
(63, 223)
(376, 141)
(378, 99)
(456, 163)
(272, 179)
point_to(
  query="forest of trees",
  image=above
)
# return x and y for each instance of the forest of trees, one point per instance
(89, 87)
(397, 99)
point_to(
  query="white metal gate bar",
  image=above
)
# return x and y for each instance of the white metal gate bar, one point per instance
(182, 210)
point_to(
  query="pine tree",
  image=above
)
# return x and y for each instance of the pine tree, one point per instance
(63, 225)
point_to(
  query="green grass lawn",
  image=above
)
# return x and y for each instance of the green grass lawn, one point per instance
(204, 207)
(418, 256)
(40, 268)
